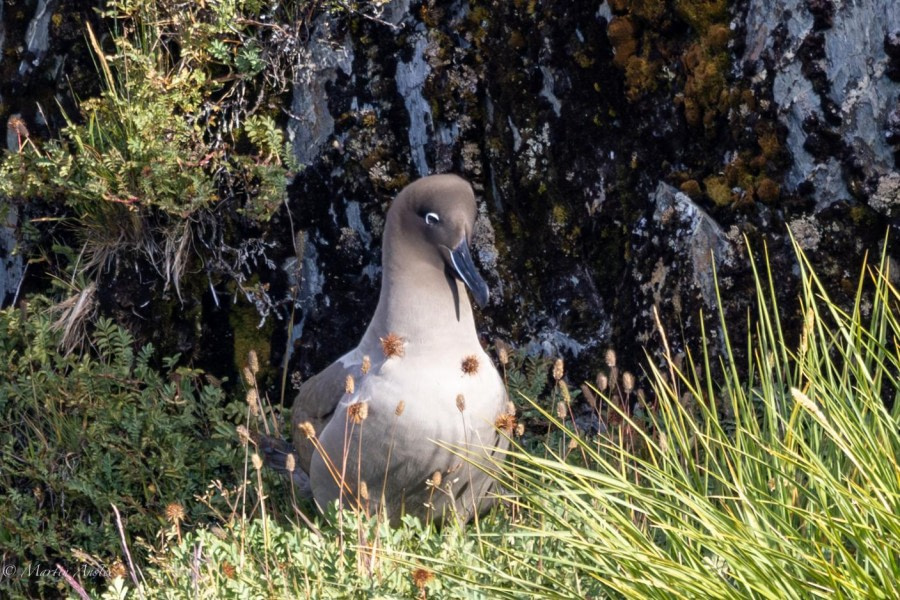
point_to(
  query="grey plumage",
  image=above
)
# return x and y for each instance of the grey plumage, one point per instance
(413, 352)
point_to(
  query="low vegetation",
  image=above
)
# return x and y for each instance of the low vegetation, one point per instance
(80, 435)
(771, 477)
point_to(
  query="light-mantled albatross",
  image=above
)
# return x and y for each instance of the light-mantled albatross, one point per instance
(373, 429)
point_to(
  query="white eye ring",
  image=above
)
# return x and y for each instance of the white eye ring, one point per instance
(432, 218)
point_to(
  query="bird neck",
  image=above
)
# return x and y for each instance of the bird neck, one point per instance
(423, 303)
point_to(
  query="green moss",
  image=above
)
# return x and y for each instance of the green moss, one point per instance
(640, 77)
(768, 143)
(618, 6)
(583, 59)
(560, 214)
(863, 216)
(692, 188)
(705, 90)
(717, 37)
(649, 10)
(623, 39)
(516, 40)
(717, 190)
(479, 15)
(397, 183)
(248, 335)
(767, 190)
(701, 14)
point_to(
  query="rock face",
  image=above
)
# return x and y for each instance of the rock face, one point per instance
(832, 68)
(770, 119)
(619, 151)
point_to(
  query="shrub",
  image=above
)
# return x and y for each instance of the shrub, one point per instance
(178, 143)
(81, 433)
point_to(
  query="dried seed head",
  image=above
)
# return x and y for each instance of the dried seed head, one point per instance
(627, 382)
(422, 577)
(436, 479)
(308, 430)
(243, 434)
(392, 345)
(460, 402)
(16, 125)
(506, 422)
(520, 429)
(401, 406)
(805, 401)
(564, 390)
(174, 513)
(510, 408)
(228, 569)
(366, 364)
(253, 362)
(358, 412)
(363, 490)
(253, 401)
(558, 369)
(117, 569)
(663, 442)
(256, 460)
(296, 380)
(809, 322)
(561, 411)
(503, 355)
(290, 463)
(470, 365)
(573, 443)
(249, 377)
(602, 382)
(589, 396)
(610, 358)
(349, 385)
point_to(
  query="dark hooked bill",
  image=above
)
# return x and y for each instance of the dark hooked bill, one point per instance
(465, 268)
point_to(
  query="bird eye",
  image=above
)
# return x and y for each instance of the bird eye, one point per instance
(432, 218)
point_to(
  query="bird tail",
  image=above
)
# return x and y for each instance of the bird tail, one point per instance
(275, 452)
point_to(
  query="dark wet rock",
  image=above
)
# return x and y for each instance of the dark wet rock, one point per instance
(822, 12)
(12, 267)
(831, 94)
(892, 127)
(698, 243)
(892, 49)
(577, 126)
(37, 37)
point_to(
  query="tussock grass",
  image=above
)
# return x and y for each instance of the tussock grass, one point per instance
(779, 480)
(770, 476)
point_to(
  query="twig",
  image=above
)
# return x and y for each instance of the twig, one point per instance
(131, 569)
(195, 568)
(71, 581)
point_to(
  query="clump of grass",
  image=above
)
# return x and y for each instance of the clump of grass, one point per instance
(776, 480)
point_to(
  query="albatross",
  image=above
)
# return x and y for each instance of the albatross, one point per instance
(405, 422)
